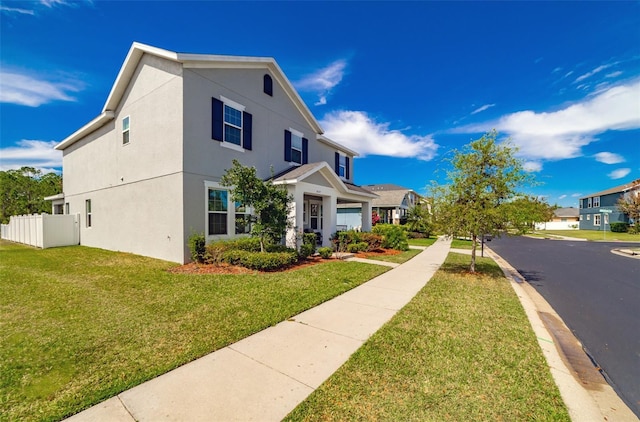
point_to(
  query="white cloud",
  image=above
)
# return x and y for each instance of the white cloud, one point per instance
(562, 134)
(609, 158)
(576, 195)
(32, 153)
(23, 89)
(16, 10)
(593, 72)
(357, 131)
(613, 74)
(323, 81)
(483, 108)
(619, 173)
(562, 196)
(532, 166)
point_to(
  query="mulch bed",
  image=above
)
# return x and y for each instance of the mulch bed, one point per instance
(194, 268)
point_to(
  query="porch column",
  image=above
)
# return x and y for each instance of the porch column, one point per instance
(329, 217)
(296, 216)
(366, 216)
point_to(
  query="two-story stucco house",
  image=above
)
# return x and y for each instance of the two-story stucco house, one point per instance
(144, 174)
(599, 209)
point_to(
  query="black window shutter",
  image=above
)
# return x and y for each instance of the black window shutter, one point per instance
(287, 146)
(217, 119)
(346, 172)
(305, 150)
(268, 85)
(338, 163)
(247, 120)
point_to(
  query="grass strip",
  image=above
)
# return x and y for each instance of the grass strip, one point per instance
(461, 350)
(398, 259)
(422, 241)
(79, 325)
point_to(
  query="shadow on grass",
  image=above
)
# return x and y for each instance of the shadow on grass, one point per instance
(459, 264)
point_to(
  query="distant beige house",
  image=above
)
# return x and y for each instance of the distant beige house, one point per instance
(391, 204)
(145, 173)
(563, 219)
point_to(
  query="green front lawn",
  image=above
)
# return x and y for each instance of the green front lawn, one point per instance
(592, 235)
(422, 242)
(398, 259)
(79, 325)
(461, 350)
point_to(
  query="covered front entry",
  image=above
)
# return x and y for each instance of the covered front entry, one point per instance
(316, 191)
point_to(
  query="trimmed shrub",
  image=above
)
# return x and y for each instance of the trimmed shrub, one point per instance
(395, 237)
(358, 247)
(373, 241)
(619, 227)
(197, 246)
(261, 261)
(325, 252)
(310, 239)
(306, 250)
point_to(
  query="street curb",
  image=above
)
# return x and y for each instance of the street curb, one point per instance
(588, 398)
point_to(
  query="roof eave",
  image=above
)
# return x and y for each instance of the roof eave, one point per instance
(336, 145)
(85, 130)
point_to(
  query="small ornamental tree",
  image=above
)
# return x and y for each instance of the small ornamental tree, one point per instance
(375, 218)
(419, 219)
(484, 176)
(270, 203)
(630, 205)
(522, 213)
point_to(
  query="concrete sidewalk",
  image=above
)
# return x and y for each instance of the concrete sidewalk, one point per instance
(266, 375)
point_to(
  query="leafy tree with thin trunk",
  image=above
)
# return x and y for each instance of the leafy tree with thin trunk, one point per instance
(485, 175)
(523, 212)
(23, 191)
(270, 203)
(630, 205)
(419, 219)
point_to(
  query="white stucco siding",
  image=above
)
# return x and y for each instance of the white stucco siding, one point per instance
(271, 117)
(144, 218)
(135, 189)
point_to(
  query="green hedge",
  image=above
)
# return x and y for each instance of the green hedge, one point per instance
(325, 252)
(245, 252)
(395, 237)
(619, 227)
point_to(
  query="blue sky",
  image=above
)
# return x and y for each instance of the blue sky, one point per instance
(403, 83)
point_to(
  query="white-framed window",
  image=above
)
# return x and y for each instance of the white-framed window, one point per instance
(224, 217)
(580, 217)
(87, 210)
(580, 203)
(596, 201)
(66, 208)
(217, 211)
(588, 217)
(296, 146)
(589, 202)
(242, 213)
(126, 128)
(596, 219)
(232, 121)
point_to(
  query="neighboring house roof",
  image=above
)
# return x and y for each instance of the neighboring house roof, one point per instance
(389, 195)
(134, 56)
(622, 188)
(299, 173)
(567, 212)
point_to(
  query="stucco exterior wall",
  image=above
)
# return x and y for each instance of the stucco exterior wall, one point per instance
(272, 115)
(135, 189)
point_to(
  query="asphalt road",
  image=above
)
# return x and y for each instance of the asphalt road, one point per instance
(595, 292)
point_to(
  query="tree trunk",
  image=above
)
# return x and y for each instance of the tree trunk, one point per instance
(474, 242)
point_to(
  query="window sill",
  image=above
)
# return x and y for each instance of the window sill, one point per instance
(234, 147)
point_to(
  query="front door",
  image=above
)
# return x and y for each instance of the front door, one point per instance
(315, 215)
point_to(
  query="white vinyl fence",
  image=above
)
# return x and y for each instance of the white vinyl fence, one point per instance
(557, 225)
(43, 230)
